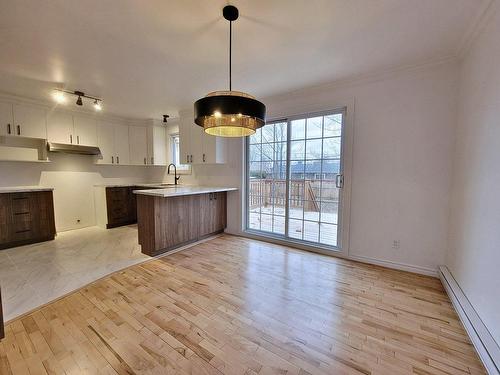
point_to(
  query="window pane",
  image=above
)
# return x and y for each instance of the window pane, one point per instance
(295, 228)
(313, 149)
(255, 152)
(333, 125)
(297, 151)
(266, 223)
(331, 148)
(329, 212)
(255, 170)
(298, 129)
(279, 224)
(296, 209)
(311, 231)
(268, 133)
(314, 127)
(311, 210)
(297, 169)
(329, 193)
(254, 221)
(328, 234)
(280, 132)
(256, 138)
(313, 169)
(331, 168)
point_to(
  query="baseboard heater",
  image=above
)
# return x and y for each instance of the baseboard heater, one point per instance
(483, 341)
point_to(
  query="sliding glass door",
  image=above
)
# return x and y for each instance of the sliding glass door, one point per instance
(295, 179)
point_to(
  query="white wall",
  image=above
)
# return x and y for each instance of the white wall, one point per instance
(404, 126)
(474, 254)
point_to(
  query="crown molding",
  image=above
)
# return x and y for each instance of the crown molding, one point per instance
(51, 106)
(483, 15)
(373, 76)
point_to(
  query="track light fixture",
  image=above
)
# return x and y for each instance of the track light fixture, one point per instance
(59, 96)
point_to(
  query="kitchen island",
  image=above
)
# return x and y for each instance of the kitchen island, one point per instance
(175, 216)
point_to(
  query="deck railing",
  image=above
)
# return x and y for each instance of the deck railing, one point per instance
(264, 192)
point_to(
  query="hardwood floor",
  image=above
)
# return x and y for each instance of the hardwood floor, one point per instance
(238, 306)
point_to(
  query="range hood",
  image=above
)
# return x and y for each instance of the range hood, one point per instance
(73, 149)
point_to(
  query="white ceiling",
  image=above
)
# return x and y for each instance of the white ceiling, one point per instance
(146, 58)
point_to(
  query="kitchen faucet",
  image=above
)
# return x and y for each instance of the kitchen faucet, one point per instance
(175, 172)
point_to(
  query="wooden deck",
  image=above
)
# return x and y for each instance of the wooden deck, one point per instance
(238, 306)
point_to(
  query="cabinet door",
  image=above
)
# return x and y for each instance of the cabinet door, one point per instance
(197, 133)
(6, 119)
(219, 211)
(138, 145)
(85, 131)
(60, 127)
(184, 141)
(5, 218)
(206, 223)
(214, 149)
(106, 143)
(122, 152)
(159, 146)
(30, 121)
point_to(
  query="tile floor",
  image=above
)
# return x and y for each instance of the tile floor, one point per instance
(35, 274)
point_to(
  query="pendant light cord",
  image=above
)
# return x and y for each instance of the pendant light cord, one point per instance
(230, 51)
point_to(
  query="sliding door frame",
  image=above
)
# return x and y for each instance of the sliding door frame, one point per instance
(342, 248)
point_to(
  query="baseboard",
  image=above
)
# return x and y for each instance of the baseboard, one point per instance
(483, 341)
(359, 258)
(395, 265)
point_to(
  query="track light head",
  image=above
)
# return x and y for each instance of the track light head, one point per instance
(165, 118)
(79, 101)
(97, 105)
(59, 97)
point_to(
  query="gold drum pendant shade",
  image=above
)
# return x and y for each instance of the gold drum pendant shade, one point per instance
(229, 113)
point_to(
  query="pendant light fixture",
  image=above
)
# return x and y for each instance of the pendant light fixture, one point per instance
(229, 113)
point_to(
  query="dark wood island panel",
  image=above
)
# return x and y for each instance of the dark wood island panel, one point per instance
(165, 223)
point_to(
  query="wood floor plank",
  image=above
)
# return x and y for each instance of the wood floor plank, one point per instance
(237, 306)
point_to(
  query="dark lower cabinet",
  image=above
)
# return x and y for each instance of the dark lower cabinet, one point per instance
(2, 330)
(26, 217)
(167, 223)
(121, 206)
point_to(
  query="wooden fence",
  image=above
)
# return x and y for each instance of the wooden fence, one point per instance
(265, 192)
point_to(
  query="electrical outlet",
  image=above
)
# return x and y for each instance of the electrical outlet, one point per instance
(396, 244)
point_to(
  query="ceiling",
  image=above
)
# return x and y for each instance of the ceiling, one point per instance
(146, 58)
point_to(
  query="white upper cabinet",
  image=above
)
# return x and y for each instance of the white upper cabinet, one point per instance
(157, 145)
(113, 141)
(122, 150)
(6, 119)
(84, 130)
(29, 121)
(106, 143)
(60, 127)
(63, 127)
(138, 140)
(197, 147)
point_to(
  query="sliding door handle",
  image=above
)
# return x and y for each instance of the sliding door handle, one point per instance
(339, 181)
(8, 129)
(18, 129)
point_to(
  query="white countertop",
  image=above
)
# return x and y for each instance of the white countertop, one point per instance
(24, 189)
(155, 185)
(183, 190)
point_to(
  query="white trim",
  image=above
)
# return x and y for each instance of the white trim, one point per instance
(485, 344)
(483, 14)
(337, 254)
(396, 265)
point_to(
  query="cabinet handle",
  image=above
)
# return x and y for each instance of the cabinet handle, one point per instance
(203, 158)
(210, 196)
(71, 138)
(187, 157)
(152, 160)
(145, 161)
(8, 129)
(78, 139)
(18, 129)
(112, 160)
(191, 158)
(215, 196)
(117, 160)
